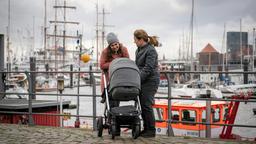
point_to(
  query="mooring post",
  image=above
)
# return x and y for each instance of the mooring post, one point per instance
(169, 127)
(94, 102)
(33, 76)
(2, 89)
(208, 114)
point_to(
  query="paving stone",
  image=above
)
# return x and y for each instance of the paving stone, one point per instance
(19, 134)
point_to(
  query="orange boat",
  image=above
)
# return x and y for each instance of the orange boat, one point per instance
(190, 111)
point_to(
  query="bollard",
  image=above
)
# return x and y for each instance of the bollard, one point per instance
(77, 122)
(94, 102)
(208, 114)
(90, 69)
(246, 63)
(30, 118)
(2, 89)
(71, 76)
(47, 69)
(9, 68)
(208, 118)
(60, 86)
(32, 61)
(169, 127)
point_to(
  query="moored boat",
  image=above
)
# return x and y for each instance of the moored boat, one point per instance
(190, 111)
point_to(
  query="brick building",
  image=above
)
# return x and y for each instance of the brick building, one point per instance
(210, 59)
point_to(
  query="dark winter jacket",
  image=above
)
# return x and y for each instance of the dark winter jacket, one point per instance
(147, 61)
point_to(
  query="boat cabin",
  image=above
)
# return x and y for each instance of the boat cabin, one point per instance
(189, 111)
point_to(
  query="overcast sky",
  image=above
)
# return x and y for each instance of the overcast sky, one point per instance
(168, 19)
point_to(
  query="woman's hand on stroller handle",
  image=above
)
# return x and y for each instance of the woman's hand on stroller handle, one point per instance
(105, 71)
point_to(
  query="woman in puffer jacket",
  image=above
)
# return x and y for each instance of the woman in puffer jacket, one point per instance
(114, 50)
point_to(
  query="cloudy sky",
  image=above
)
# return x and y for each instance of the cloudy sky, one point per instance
(168, 19)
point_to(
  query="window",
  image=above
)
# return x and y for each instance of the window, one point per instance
(158, 112)
(225, 113)
(204, 116)
(189, 116)
(175, 116)
(216, 115)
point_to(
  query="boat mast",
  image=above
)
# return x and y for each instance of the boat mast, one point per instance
(223, 48)
(253, 50)
(55, 37)
(8, 38)
(192, 26)
(33, 37)
(97, 36)
(64, 36)
(183, 46)
(187, 47)
(179, 57)
(241, 45)
(45, 29)
(104, 26)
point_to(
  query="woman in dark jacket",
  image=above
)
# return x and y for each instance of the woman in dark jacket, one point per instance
(147, 61)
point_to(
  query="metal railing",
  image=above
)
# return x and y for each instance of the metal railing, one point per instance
(94, 95)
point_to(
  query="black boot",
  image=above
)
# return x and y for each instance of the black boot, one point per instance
(142, 132)
(148, 133)
(118, 131)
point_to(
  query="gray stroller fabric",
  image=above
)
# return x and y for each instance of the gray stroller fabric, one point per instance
(124, 79)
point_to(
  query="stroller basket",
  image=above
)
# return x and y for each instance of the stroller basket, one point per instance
(125, 111)
(125, 93)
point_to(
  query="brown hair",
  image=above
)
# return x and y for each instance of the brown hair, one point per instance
(110, 51)
(142, 34)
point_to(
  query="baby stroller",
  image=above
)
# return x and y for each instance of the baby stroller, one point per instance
(124, 85)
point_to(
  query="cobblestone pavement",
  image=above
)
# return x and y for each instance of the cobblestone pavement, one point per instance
(21, 134)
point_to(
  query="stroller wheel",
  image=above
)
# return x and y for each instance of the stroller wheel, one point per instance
(135, 131)
(100, 126)
(113, 131)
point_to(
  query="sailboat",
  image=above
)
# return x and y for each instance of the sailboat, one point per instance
(193, 89)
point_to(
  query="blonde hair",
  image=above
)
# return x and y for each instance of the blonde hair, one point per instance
(142, 34)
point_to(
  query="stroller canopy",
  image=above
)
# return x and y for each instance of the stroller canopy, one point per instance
(124, 72)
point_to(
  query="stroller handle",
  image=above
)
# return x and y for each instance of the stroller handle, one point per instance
(105, 72)
(105, 88)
